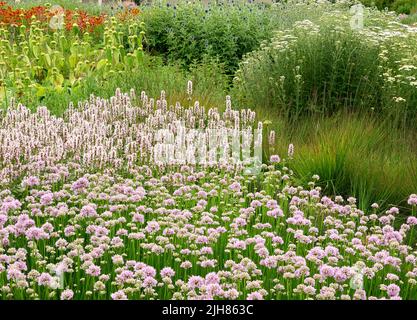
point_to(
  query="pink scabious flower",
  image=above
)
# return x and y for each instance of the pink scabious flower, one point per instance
(202, 194)
(327, 271)
(47, 198)
(3, 219)
(10, 203)
(149, 282)
(119, 295)
(235, 187)
(255, 296)
(391, 235)
(275, 213)
(69, 231)
(206, 250)
(195, 282)
(275, 158)
(412, 200)
(212, 278)
(152, 226)
(149, 271)
(393, 290)
(67, 294)
(209, 263)
(393, 211)
(44, 279)
(137, 217)
(231, 294)
(14, 273)
(167, 272)
(169, 202)
(30, 182)
(88, 211)
(80, 185)
(93, 270)
(412, 221)
(117, 259)
(255, 204)
(272, 204)
(331, 251)
(35, 233)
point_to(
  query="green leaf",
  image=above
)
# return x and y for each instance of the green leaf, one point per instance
(101, 64)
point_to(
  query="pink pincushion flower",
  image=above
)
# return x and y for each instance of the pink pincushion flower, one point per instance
(35, 233)
(412, 221)
(167, 272)
(195, 282)
(67, 294)
(255, 204)
(327, 271)
(30, 181)
(117, 259)
(393, 290)
(119, 295)
(80, 185)
(275, 158)
(44, 279)
(255, 296)
(88, 211)
(149, 271)
(137, 217)
(412, 200)
(47, 198)
(149, 282)
(152, 226)
(9, 203)
(93, 270)
(235, 186)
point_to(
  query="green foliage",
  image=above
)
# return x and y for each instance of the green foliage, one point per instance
(399, 6)
(321, 68)
(380, 4)
(152, 76)
(43, 62)
(353, 155)
(405, 6)
(188, 32)
(411, 19)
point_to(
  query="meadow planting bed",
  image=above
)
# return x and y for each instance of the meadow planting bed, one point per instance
(303, 187)
(95, 218)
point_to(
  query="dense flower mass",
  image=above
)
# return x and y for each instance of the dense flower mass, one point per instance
(16, 17)
(94, 216)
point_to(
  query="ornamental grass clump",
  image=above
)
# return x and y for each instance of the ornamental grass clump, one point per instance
(88, 212)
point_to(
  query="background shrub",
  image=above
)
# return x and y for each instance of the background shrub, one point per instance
(405, 6)
(325, 67)
(187, 32)
(310, 69)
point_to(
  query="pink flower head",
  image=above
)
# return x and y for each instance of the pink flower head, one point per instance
(30, 181)
(67, 294)
(119, 295)
(167, 272)
(195, 282)
(412, 221)
(255, 296)
(80, 185)
(93, 270)
(393, 290)
(412, 200)
(47, 198)
(275, 158)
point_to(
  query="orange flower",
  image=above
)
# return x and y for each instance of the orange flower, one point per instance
(17, 17)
